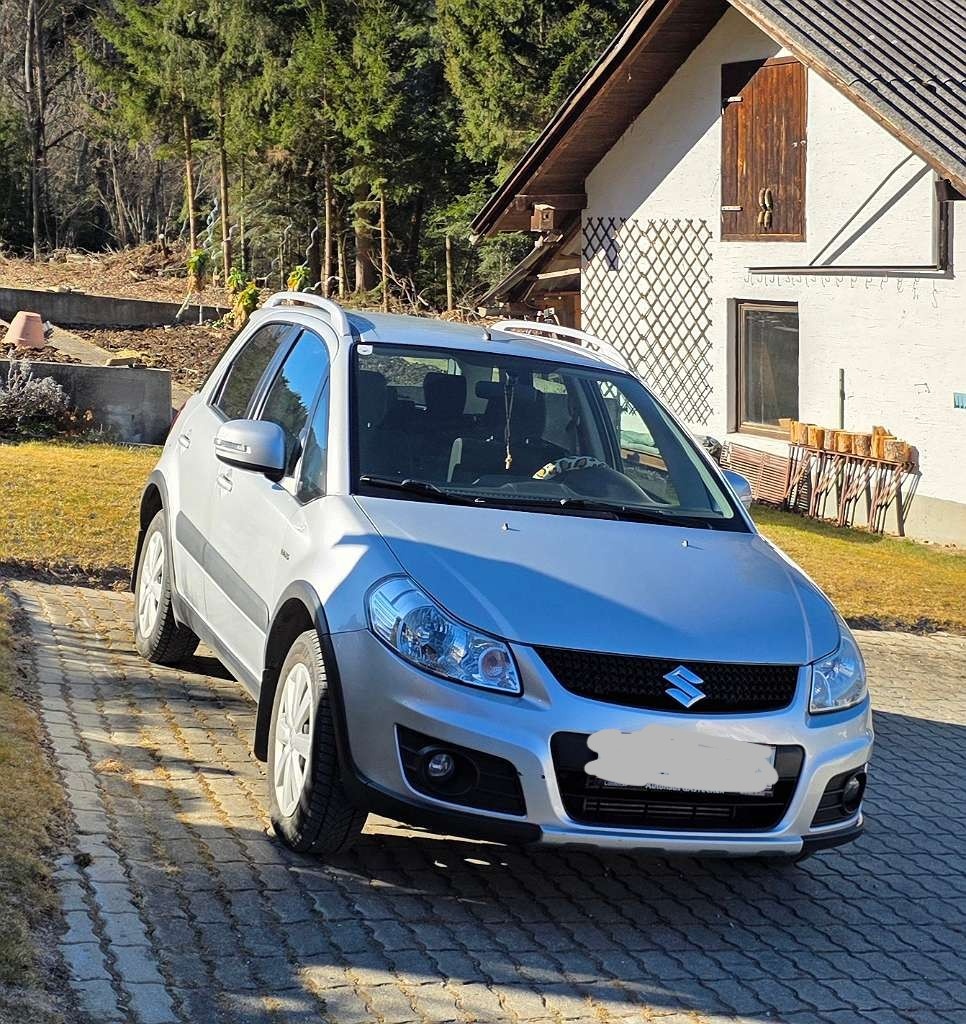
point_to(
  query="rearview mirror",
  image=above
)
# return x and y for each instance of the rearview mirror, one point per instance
(252, 444)
(740, 486)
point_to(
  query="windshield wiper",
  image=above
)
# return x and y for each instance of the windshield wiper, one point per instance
(634, 512)
(414, 486)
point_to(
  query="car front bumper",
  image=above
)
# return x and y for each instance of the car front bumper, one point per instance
(380, 691)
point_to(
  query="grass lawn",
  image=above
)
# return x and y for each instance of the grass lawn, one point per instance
(72, 509)
(873, 580)
(30, 810)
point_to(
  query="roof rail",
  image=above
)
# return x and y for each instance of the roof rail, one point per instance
(567, 335)
(337, 317)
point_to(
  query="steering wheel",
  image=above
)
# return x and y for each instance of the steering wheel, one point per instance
(591, 478)
(568, 464)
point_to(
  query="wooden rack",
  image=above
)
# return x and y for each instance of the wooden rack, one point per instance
(817, 476)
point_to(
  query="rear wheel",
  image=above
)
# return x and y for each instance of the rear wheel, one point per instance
(157, 635)
(310, 810)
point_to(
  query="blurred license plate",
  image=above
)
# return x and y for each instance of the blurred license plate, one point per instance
(663, 757)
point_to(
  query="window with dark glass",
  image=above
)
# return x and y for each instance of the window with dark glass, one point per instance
(290, 397)
(767, 365)
(314, 459)
(247, 369)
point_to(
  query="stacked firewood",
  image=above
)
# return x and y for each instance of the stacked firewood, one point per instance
(877, 444)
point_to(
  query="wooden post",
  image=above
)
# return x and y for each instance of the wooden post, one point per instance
(384, 241)
(449, 273)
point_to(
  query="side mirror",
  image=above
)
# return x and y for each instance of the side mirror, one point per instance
(740, 486)
(252, 444)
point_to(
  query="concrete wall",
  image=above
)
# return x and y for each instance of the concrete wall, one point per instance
(133, 404)
(75, 309)
(900, 339)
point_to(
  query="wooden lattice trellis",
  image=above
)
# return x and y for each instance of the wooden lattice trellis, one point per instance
(646, 290)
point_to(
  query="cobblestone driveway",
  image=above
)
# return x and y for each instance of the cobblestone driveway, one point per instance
(180, 908)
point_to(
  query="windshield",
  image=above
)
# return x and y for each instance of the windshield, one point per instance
(490, 429)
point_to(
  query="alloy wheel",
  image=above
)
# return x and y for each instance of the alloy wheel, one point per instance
(151, 584)
(293, 738)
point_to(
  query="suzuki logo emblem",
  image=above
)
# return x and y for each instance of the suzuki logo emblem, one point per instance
(685, 686)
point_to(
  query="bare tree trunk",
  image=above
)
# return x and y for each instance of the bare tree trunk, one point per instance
(33, 127)
(242, 241)
(449, 273)
(223, 183)
(415, 234)
(313, 253)
(40, 68)
(384, 244)
(189, 176)
(327, 232)
(365, 268)
(342, 268)
(123, 231)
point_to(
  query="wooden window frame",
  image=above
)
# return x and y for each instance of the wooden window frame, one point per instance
(739, 236)
(743, 425)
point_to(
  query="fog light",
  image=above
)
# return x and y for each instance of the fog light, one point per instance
(440, 766)
(852, 792)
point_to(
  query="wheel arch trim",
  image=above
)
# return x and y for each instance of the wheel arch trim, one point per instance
(300, 592)
(155, 485)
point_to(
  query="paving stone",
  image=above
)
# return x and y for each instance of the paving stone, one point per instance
(98, 999)
(151, 1004)
(85, 961)
(247, 931)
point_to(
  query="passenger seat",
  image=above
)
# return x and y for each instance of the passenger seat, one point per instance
(383, 451)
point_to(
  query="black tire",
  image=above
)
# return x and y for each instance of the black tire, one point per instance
(324, 820)
(166, 642)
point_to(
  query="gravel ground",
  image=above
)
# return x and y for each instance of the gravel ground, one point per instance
(141, 273)
(189, 352)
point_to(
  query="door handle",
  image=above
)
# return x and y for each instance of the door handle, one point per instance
(224, 481)
(184, 440)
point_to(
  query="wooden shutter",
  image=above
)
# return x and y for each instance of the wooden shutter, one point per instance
(763, 150)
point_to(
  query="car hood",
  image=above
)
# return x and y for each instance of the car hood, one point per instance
(604, 585)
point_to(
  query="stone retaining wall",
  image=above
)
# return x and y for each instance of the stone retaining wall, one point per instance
(132, 403)
(77, 309)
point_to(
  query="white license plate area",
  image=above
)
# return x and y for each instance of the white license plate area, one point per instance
(667, 758)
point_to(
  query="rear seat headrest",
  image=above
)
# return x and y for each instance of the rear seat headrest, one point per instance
(444, 393)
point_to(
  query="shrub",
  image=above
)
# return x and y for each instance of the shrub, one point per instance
(199, 266)
(235, 282)
(32, 406)
(298, 278)
(246, 301)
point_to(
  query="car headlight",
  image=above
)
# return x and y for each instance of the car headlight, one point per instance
(415, 627)
(838, 681)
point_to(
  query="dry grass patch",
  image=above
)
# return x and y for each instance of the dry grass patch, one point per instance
(31, 810)
(68, 509)
(883, 582)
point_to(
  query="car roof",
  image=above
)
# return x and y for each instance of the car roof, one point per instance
(426, 332)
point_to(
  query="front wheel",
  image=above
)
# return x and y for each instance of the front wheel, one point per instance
(310, 810)
(157, 634)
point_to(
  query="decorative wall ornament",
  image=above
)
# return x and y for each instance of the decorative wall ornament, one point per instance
(646, 290)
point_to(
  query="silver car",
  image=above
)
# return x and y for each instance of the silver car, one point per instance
(483, 581)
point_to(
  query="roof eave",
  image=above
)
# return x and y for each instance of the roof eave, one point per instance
(485, 222)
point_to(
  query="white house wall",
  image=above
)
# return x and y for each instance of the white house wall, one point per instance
(900, 340)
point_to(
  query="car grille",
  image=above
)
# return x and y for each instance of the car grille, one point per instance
(639, 682)
(590, 801)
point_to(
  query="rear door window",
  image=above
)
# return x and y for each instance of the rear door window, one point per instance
(240, 383)
(292, 393)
